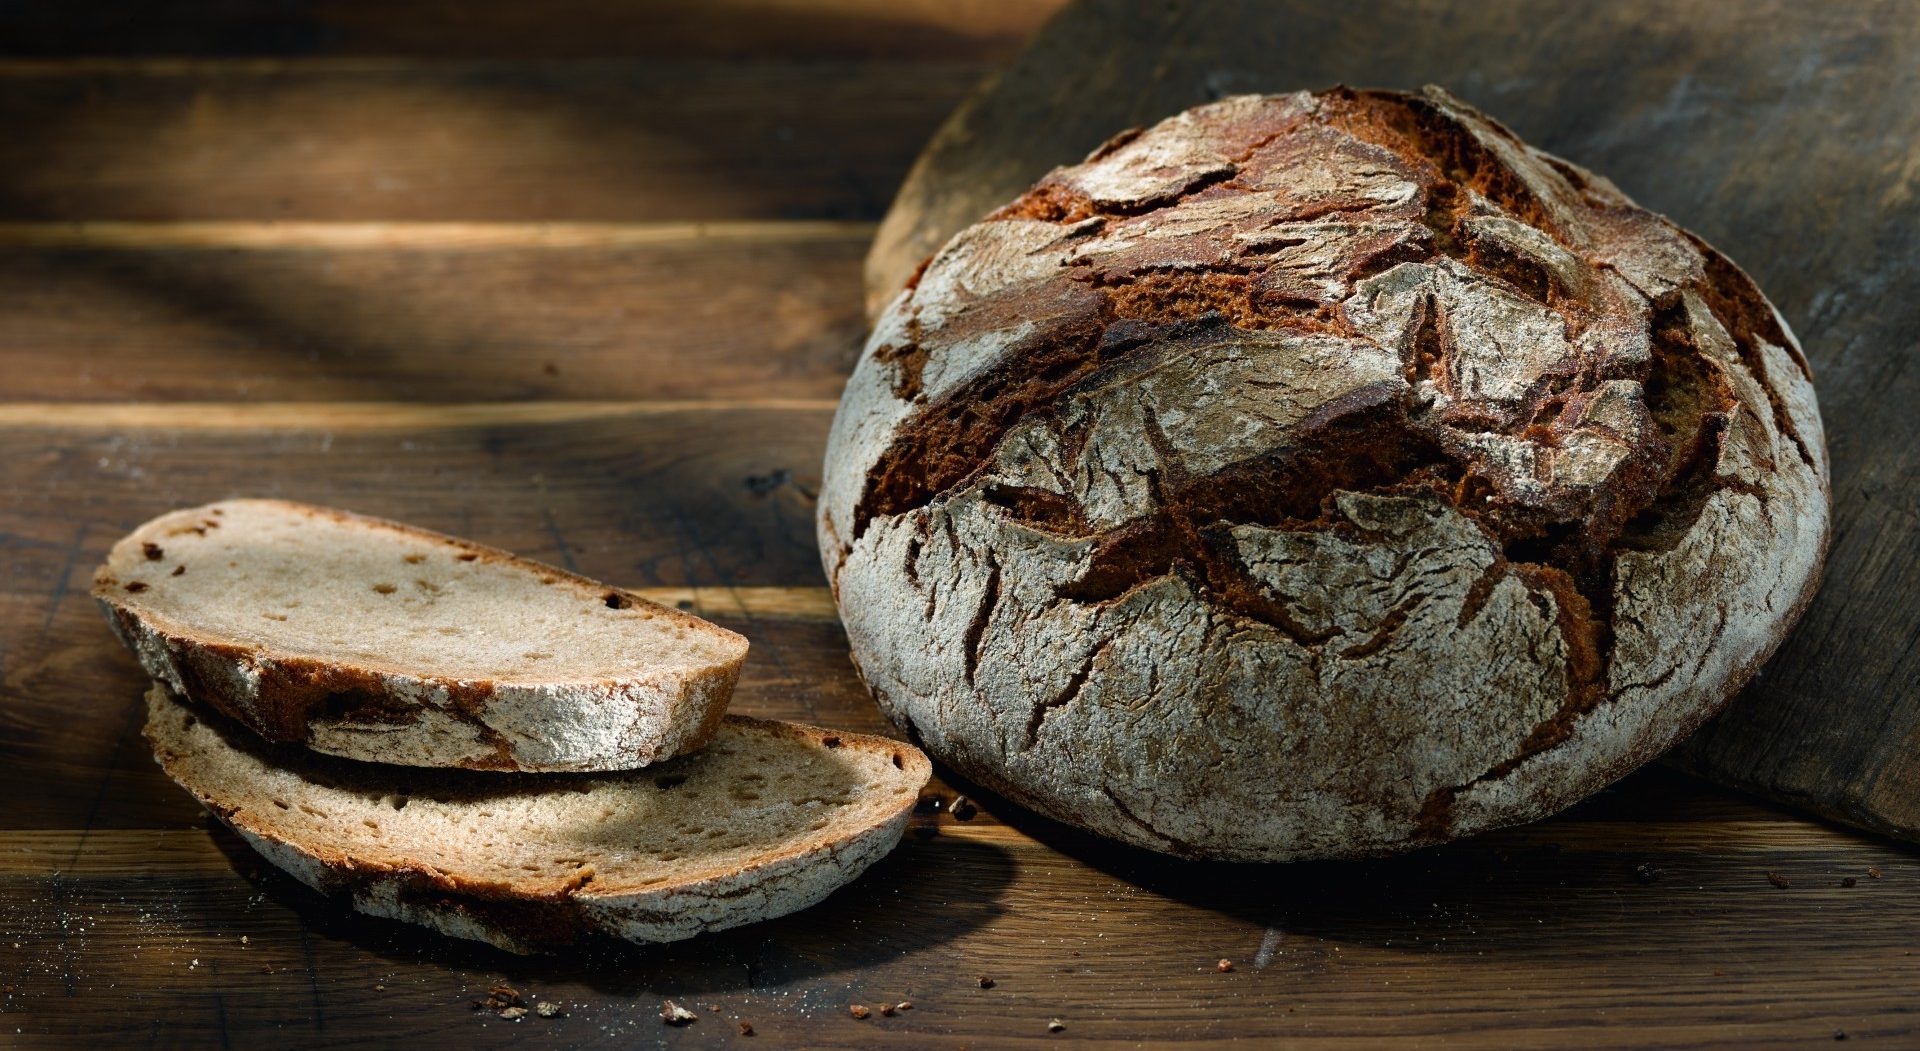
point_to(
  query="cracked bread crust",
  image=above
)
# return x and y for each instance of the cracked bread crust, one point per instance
(1320, 475)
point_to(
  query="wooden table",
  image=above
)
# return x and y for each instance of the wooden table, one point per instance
(584, 284)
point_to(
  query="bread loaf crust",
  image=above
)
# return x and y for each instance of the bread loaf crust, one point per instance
(1320, 475)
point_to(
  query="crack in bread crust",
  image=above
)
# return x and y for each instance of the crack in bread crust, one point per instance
(1318, 326)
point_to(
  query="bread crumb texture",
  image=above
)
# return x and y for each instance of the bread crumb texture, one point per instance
(1320, 475)
(378, 641)
(763, 821)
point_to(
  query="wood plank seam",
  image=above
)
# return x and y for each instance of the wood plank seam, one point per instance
(336, 65)
(401, 235)
(40, 853)
(362, 416)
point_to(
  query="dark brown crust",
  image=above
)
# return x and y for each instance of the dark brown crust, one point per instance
(294, 693)
(1565, 546)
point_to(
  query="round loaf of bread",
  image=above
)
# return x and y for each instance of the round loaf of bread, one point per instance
(1319, 475)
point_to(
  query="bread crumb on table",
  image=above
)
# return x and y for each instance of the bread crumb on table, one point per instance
(675, 1015)
(746, 1028)
(1054, 1025)
(858, 1011)
(547, 1009)
(1223, 966)
(1778, 880)
(499, 998)
(986, 982)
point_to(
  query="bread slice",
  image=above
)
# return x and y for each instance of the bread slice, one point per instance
(377, 641)
(769, 818)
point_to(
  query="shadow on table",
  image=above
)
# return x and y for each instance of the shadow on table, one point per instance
(926, 893)
(1657, 852)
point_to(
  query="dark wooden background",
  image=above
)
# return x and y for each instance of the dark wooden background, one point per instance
(582, 279)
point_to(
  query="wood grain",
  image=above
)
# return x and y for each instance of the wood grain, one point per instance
(385, 139)
(1546, 936)
(429, 312)
(554, 29)
(1783, 133)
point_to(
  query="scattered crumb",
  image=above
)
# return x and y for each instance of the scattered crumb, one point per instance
(963, 809)
(1873, 873)
(746, 1028)
(1223, 966)
(858, 1011)
(1849, 882)
(1645, 872)
(675, 1015)
(1054, 1025)
(243, 940)
(379, 987)
(715, 1008)
(1778, 880)
(887, 1010)
(904, 1005)
(513, 1014)
(986, 982)
(547, 1009)
(499, 998)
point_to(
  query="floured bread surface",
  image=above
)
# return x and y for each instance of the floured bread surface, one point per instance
(378, 641)
(1316, 475)
(767, 819)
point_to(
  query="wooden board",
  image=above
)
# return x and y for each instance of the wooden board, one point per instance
(430, 312)
(368, 138)
(513, 29)
(1785, 133)
(398, 366)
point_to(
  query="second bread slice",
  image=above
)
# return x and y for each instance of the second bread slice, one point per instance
(376, 641)
(768, 819)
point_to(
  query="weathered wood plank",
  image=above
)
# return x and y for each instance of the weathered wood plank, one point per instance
(381, 139)
(429, 312)
(731, 29)
(1546, 935)
(1784, 133)
(644, 494)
